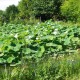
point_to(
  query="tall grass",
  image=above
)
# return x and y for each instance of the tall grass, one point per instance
(64, 67)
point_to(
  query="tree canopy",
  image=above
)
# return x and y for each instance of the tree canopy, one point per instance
(43, 10)
(39, 8)
(11, 12)
(71, 10)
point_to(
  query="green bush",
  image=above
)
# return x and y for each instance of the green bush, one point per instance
(71, 10)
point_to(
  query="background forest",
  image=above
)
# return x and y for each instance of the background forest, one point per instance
(31, 10)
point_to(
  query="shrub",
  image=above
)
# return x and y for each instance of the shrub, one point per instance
(71, 10)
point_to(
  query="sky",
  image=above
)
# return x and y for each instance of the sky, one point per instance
(6, 3)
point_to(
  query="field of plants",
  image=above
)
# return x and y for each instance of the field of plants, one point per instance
(35, 41)
(40, 40)
(39, 47)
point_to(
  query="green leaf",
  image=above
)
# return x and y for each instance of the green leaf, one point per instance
(1, 42)
(27, 51)
(59, 47)
(48, 37)
(42, 49)
(10, 59)
(51, 44)
(67, 41)
(2, 60)
(17, 47)
(1, 54)
(40, 53)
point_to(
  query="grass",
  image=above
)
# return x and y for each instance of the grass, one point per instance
(65, 67)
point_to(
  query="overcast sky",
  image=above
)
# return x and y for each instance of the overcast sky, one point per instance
(6, 3)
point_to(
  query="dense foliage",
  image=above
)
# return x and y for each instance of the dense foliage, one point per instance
(34, 50)
(49, 38)
(11, 13)
(39, 9)
(49, 68)
(71, 10)
(42, 10)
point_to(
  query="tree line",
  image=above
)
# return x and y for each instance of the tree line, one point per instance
(67, 10)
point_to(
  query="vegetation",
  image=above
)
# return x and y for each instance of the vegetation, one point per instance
(33, 51)
(27, 41)
(49, 68)
(11, 13)
(71, 9)
(35, 43)
(67, 10)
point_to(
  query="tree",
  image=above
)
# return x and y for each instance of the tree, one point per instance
(44, 9)
(11, 12)
(25, 8)
(37, 8)
(3, 17)
(71, 10)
